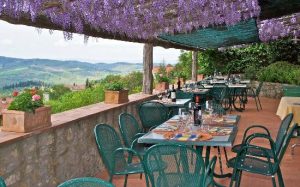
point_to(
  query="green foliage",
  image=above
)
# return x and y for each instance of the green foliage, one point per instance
(162, 75)
(57, 91)
(282, 72)
(248, 60)
(251, 72)
(24, 102)
(77, 99)
(133, 82)
(114, 86)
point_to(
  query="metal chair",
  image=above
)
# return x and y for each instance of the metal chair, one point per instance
(254, 93)
(282, 132)
(114, 154)
(153, 114)
(2, 182)
(130, 131)
(189, 174)
(86, 182)
(268, 166)
(220, 95)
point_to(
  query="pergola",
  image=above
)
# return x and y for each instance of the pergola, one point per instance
(183, 24)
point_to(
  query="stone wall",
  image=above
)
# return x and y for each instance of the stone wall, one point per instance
(66, 150)
(269, 89)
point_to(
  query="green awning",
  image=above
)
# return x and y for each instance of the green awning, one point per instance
(219, 36)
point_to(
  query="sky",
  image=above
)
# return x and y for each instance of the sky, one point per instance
(26, 42)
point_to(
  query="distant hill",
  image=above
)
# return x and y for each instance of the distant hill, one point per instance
(13, 70)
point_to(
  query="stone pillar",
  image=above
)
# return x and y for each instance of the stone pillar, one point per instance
(148, 66)
(194, 65)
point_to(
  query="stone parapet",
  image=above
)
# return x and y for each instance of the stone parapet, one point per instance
(66, 150)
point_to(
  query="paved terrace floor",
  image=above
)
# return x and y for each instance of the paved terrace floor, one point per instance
(290, 165)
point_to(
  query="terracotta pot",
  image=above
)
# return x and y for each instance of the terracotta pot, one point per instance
(116, 97)
(161, 86)
(19, 121)
(200, 77)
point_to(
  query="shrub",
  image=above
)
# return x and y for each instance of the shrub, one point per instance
(251, 72)
(77, 99)
(281, 72)
(57, 91)
(114, 86)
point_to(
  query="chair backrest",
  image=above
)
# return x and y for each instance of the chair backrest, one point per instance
(129, 127)
(184, 95)
(258, 89)
(282, 131)
(108, 141)
(86, 182)
(2, 182)
(153, 113)
(219, 91)
(171, 165)
(286, 142)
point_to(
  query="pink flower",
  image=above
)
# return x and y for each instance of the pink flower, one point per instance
(36, 97)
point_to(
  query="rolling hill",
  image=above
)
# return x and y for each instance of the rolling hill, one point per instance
(13, 70)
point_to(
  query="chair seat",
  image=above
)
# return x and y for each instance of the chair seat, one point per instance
(181, 180)
(129, 169)
(252, 165)
(253, 151)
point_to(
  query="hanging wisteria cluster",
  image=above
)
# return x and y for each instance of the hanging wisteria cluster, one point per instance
(143, 19)
(274, 29)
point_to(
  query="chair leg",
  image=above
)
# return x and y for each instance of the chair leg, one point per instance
(177, 163)
(256, 104)
(220, 161)
(111, 178)
(141, 176)
(273, 181)
(233, 177)
(259, 102)
(125, 182)
(280, 179)
(239, 178)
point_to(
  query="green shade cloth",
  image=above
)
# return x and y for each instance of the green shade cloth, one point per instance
(219, 36)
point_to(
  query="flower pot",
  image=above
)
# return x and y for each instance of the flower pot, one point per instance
(200, 77)
(19, 121)
(161, 86)
(116, 97)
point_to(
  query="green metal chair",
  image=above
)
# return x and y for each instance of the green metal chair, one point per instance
(254, 93)
(86, 182)
(189, 174)
(282, 132)
(267, 166)
(220, 95)
(153, 114)
(2, 182)
(131, 131)
(114, 154)
(184, 95)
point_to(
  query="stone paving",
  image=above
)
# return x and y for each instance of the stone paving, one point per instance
(290, 165)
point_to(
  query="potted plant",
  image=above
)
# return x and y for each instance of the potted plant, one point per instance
(26, 113)
(115, 93)
(162, 79)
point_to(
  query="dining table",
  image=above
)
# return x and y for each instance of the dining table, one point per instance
(215, 131)
(174, 106)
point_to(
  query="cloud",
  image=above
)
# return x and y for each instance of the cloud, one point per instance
(6, 42)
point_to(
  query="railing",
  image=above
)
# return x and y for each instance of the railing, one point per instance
(65, 150)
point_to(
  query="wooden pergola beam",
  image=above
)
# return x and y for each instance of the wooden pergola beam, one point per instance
(148, 66)
(194, 65)
(43, 22)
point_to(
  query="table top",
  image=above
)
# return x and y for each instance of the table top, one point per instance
(289, 105)
(196, 91)
(208, 86)
(178, 103)
(153, 137)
